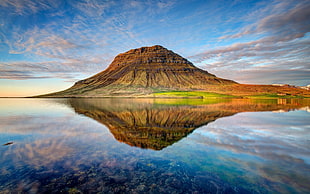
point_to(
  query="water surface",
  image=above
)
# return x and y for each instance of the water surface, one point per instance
(154, 145)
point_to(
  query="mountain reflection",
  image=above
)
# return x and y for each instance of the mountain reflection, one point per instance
(158, 123)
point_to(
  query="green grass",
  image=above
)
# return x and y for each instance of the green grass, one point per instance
(188, 101)
(191, 94)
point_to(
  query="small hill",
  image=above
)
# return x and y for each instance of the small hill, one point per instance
(156, 72)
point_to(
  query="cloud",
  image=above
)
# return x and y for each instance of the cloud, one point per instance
(52, 53)
(271, 76)
(281, 43)
(41, 42)
(79, 36)
(294, 23)
(272, 137)
(26, 7)
(19, 75)
(264, 51)
(291, 22)
(52, 69)
(165, 5)
(92, 8)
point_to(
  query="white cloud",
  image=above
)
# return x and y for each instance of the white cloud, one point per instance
(282, 46)
(27, 7)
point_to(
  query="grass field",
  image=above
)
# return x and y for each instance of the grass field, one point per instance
(191, 94)
(189, 101)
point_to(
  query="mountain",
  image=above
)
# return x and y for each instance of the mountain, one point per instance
(142, 71)
(156, 72)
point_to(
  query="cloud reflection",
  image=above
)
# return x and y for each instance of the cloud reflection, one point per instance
(280, 141)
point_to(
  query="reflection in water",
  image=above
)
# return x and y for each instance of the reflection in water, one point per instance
(9, 143)
(55, 150)
(151, 123)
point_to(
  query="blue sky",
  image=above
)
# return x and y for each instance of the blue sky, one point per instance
(47, 45)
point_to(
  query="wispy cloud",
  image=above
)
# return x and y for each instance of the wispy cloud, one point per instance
(281, 26)
(83, 36)
(26, 7)
(40, 42)
(92, 8)
(270, 76)
(52, 69)
(259, 135)
(281, 45)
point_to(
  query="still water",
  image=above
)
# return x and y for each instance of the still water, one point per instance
(154, 146)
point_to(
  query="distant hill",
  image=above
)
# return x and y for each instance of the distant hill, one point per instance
(149, 70)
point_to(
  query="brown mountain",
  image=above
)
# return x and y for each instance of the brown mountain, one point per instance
(143, 70)
(147, 70)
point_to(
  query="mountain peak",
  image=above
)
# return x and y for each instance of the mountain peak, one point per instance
(147, 49)
(151, 57)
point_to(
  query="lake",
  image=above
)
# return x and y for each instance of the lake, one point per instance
(154, 145)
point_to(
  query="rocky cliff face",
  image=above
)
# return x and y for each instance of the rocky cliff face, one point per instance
(149, 68)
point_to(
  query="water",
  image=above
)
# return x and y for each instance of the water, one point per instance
(154, 146)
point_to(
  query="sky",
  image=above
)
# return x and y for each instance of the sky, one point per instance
(47, 45)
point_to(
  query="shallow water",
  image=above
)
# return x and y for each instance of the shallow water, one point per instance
(154, 146)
